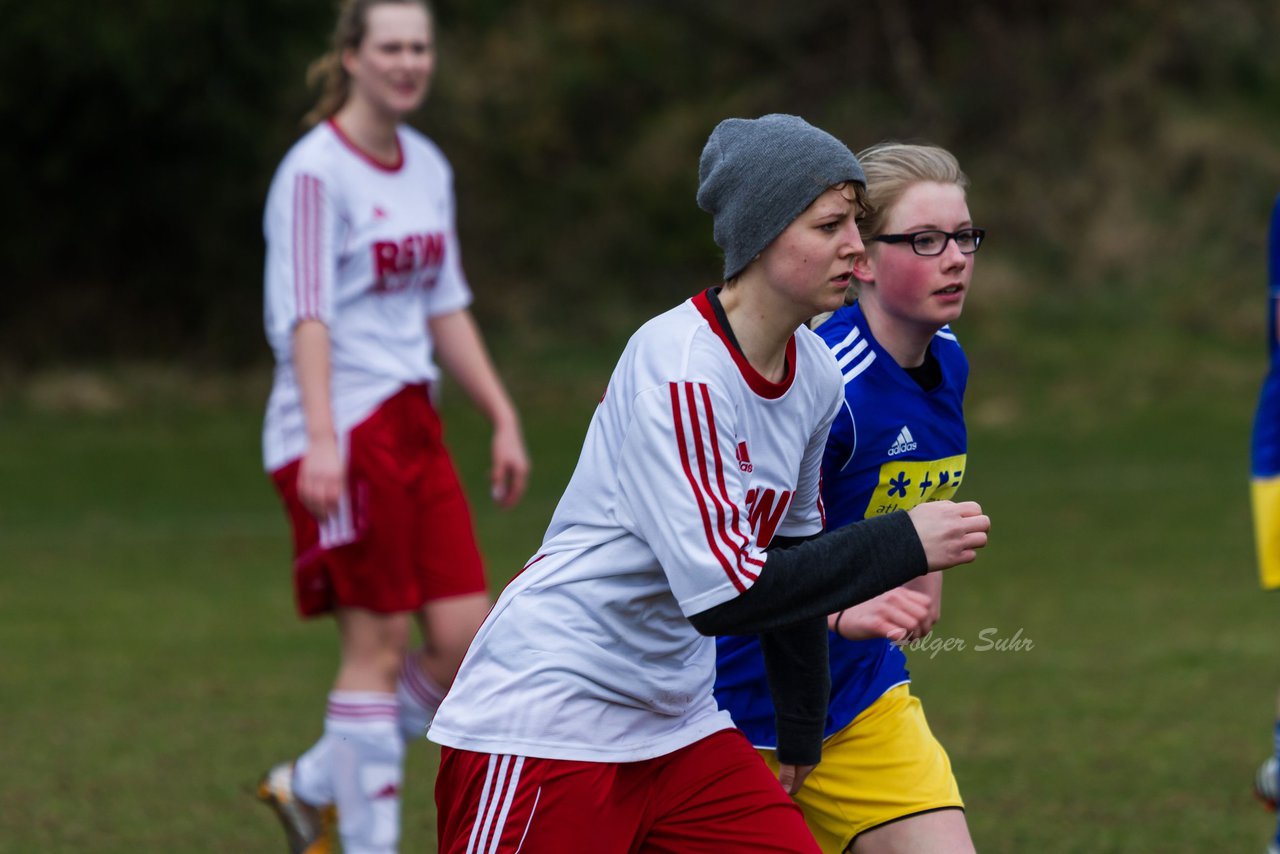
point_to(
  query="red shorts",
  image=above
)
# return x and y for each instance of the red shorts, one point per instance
(715, 796)
(404, 536)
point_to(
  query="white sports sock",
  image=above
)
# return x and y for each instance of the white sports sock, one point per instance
(311, 772)
(367, 769)
(419, 696)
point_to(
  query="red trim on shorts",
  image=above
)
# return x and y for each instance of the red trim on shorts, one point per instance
(715, 796)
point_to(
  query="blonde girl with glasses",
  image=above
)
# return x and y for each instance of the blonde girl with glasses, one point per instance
(885, 784)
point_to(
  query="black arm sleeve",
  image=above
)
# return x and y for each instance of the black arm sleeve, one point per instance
(821, 576)
(795, 662)
(804, 580)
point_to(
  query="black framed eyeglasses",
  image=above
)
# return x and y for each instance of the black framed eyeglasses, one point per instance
(934, 241)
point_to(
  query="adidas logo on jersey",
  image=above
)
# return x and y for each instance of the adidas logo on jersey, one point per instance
(904, 443)
(744, 459)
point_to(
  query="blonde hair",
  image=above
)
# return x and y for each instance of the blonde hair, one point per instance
(327, 72)
(893, 167)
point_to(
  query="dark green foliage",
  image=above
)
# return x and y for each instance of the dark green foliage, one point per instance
(1109, 144)
(140, 141)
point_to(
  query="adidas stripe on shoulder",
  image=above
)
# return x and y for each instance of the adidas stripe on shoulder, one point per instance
(853, 354)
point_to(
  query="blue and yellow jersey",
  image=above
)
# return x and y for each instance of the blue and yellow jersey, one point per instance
(893, 445)
(1265, 451)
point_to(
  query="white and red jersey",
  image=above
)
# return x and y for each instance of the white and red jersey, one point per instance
(692, 463)
(370, 250)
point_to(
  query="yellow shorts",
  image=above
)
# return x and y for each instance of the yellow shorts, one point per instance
(884, 766)
(1265, 494)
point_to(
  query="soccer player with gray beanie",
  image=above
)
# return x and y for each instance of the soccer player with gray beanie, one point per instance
(582, 718)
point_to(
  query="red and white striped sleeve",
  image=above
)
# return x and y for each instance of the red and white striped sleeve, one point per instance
(301, 265)
(679, 480)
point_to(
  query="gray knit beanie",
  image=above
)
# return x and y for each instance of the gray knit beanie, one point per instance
(757, 175)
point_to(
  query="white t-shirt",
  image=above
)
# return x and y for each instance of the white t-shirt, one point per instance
(692, 462)
(370, 250)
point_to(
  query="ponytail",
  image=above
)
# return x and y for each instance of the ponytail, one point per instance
(327, 74)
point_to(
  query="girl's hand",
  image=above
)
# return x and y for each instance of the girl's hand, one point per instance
(320, 478)
(510, 470)
(951, 532)
(900, 614)
(792, 777)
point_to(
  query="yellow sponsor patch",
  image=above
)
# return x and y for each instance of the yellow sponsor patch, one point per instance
(1265, 494)
(906, 483)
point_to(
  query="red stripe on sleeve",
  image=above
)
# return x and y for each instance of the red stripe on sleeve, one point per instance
(697, 491)
(308, 246)
(735, 549)
(741, 550)
(313, 246)
(308, 252)
(299, 188)
(822, 510)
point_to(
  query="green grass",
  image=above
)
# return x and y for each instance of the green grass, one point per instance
(1134, 721)
(151, 664)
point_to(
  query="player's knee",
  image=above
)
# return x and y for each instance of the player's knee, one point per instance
(380, 653)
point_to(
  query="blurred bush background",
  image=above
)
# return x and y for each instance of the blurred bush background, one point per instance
(1123, 155)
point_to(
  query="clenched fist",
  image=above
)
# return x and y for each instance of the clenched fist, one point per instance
(951, 532)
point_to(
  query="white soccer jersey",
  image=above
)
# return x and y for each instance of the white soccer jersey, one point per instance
(372, 252)
(691, 464)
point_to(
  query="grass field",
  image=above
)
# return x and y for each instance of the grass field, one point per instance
(151, 665)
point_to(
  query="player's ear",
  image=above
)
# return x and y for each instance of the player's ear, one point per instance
(864, 268)
(348, 59)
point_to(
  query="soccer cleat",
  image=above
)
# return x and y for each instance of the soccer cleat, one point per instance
(308, 829)
(1265, 783)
